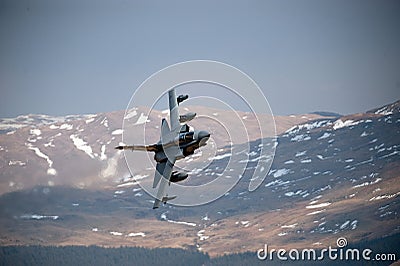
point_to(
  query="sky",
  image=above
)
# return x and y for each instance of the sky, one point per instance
(79, 56)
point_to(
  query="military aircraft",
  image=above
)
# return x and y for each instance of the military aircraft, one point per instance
(176, 142)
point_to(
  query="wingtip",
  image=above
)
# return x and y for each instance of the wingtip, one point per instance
(119, 147)
(156, 204)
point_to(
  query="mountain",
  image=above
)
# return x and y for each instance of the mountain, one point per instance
(62, 183)
(78, 150)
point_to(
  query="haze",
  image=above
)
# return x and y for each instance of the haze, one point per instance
(76, 57)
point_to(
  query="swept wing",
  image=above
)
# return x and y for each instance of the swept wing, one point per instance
(164, 169)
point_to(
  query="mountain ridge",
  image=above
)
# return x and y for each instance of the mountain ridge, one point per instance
(330, 177)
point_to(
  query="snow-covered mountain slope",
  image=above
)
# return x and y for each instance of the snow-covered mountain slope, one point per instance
(330, 177)
(78, 150)
(57, 151)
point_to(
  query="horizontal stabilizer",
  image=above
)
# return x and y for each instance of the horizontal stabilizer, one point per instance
(165, 199)
(186, 117)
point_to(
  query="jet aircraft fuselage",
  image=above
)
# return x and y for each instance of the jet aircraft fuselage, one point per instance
(176, 142)
(187, 142)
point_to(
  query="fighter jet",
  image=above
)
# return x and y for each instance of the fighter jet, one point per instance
(176, 142)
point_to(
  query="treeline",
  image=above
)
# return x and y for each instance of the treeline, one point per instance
(95, 255)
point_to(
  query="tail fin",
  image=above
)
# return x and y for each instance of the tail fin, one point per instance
(166, 135)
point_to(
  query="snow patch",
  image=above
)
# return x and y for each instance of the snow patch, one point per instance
(316, 206)
(298, 192)
(308, 126)
(381, 197)
(131, 113)
(325, 135)
(19, 163)
(289, 226)
(289, 162)
(139, 177)
(50, 171)
(104, 122)
(338, 124)
(66, 126)
(279, 172)
(300, 153)
(39, 217)
(49, 144)
(301, 137)
(349, 224)
(368, 183)
(219, 157)
(80, 144)
(277, 182)
(345, 224)
(244, 223)
(164, 217)
(316, 212)
(201, 235)
(364, 134)
(35, 132)
(136, 234)
(142, 119)
(205, 218)
(384, 111)
(128, 184)
(117, 132)
(353, 224)
(103, 155)
(90, 119)
(390, 154)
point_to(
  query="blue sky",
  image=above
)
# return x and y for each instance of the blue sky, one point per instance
(74, 57)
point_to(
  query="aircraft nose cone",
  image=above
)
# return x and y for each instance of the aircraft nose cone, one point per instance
(203, 134)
